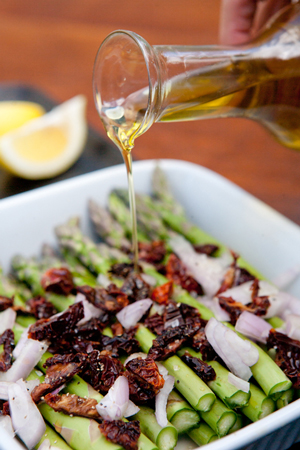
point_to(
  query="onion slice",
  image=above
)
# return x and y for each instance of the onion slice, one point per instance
(131, 314)
(237, 354)
(292, 326)
(7, 319)
(208, 271)
(253, 326)
(6, 423)
(242, 385)
(89, 310)
(26, 361)
(116, 404)
(161, 401)
(26, 418)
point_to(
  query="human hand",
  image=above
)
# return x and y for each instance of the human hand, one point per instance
(242, 19)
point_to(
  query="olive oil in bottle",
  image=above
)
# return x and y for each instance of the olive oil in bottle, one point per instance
(136, 85)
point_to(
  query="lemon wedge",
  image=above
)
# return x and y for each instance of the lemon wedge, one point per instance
(48, 145)
(14, 114)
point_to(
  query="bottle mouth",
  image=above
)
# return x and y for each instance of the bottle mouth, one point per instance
(126, 84)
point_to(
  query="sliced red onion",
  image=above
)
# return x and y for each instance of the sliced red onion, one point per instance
(161, 401)
(6, 423)
(242, 385)
(67, 433)
(116, 403)
(208, 271)
(94, 432)
(285, 279)
(45, 445)
(103, 280)
(282, 304)
(237, 354)
(248, 353)
(7, 319)
(253, 326)
(31, 384)
(20, 345)
(26, 361)
(157, 308)
(292, 326)
(219, 312)
(240, 293)
(89, 310)
(131, 314)
(148, 279)
(131, 409)
(162, 370)
(134, 356)
(26, 418)
(4, 389)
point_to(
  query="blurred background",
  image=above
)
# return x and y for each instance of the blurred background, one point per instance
(51, 45)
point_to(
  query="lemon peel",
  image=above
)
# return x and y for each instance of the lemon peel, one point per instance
(48, 145)
(14, 114)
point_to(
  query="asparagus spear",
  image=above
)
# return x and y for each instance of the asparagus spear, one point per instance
(203, 434)
(259, 404)
(148, 219)
(105, 225)
(71, 238)
(164, 437)
(181, 414)
(123, 216)
(220, 418)
(286, 398)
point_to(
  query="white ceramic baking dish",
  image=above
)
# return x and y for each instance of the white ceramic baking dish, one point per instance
(269, 241)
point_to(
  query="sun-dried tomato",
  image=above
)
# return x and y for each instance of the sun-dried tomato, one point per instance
(201, 368)
(110, 300)
(173, 316)
(8, 342)
(40, 307)
(57, 326)
(58, 280)
(153, 252)
(4, 408)
(206, 249)
(136, 288)
(168, 343)
(242, 276)
(144, 380)
(102, 371)
(117, 329)
(287, 355)
(5, 302)
(162, 294)
(73, 405)
(181, 323)
(121, 344)
(258, 306)
(122, 269)
(122, 433)
(60, 369)
(176, 272)
(155, 323)
(201, 344)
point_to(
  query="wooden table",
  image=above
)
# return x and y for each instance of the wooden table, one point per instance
(51, 45)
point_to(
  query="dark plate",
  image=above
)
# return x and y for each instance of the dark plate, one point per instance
(97, 153)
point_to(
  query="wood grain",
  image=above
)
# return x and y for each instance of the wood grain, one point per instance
(51, 45)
